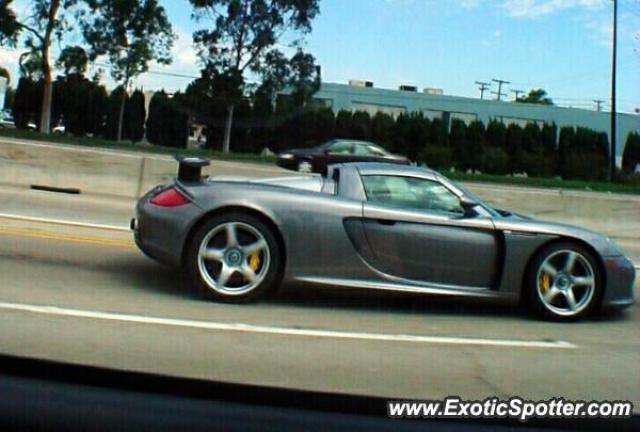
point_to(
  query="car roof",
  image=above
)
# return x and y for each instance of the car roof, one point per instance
(349, 140)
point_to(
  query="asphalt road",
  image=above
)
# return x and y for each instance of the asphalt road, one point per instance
(86, 295)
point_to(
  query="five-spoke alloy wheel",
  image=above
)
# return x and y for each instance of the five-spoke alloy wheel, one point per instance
(564, 282)
(233, 257)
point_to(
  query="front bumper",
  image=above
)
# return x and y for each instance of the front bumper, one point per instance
(161, 232)
(290, 163)
(621, 282)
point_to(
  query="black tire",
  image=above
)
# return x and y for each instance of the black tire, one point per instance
(272, 274)
(305, 166)
(534, 285)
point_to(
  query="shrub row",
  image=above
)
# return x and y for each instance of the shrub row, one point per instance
(495, 148)
(82, 105)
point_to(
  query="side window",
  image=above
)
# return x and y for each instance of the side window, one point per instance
(376, 151)
(362, 150)
(410, 192)
(341, 148)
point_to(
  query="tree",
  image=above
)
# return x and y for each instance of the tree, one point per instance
(73, 60)
(26, 105)
(9, 29)
(565, 148)
(113, 125)
(360, 125)
(475, 145)
(130, 33)
(416, 134)
(343, 124)
(167, 123)
(536, 96)
(514, 138)
(382, 129)
(243, 39)
(495, 158)
(134, 117)
(46, 21)
(631, 155)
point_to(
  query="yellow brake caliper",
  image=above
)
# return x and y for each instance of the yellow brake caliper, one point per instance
(545, 282)
(254, 261)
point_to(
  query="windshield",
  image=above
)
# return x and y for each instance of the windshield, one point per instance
(164, 207)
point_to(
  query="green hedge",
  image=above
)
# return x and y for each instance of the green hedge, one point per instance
(631, 154)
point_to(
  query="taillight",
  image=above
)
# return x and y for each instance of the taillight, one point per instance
(169, 198)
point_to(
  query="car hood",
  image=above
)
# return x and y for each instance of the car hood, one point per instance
(524, 224)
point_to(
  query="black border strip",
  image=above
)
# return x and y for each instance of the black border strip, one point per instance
(53, 371)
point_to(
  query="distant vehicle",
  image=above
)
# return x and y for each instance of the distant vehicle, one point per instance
(6, 120)
(316, 159)
(60, 129)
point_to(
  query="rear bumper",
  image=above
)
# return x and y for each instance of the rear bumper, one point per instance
(621, 282)
(161, 232)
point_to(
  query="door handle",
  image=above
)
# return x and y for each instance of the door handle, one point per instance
(386, 222)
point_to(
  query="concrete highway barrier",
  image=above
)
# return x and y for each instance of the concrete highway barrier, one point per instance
(98, 171)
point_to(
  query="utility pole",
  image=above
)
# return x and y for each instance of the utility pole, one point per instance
(598, 103)
(483, 86)
(516, 94)
(499, 92)
(614, 59)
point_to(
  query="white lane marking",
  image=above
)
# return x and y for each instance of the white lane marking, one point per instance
(284, 331)
(63, 222)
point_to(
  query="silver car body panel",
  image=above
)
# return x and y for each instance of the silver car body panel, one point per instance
(333, 236)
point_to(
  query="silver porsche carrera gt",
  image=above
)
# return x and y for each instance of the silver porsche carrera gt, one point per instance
(378, 226)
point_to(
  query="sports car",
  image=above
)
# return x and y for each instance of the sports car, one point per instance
(377, 226)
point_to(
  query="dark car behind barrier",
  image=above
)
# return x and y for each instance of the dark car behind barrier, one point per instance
(316, 159)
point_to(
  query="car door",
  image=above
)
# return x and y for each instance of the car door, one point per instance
(417, 230)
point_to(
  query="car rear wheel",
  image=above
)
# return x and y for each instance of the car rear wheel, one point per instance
(233, 257)
(564, 282)
(305, 166)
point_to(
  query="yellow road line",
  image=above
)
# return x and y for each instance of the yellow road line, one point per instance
(37, 233)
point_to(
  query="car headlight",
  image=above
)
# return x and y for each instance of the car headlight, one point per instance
(286, 156)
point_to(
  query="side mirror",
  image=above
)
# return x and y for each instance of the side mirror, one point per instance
(467, 204)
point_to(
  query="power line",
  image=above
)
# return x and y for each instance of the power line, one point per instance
(483, 86)
(499, 93)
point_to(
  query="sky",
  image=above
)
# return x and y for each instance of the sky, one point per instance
(563, 46)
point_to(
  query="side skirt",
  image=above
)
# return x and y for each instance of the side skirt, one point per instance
(390, 286)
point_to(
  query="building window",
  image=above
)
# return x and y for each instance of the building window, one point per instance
(522, 122)
(372, 109)
(322, 102)
(432, 114)
(467, 118)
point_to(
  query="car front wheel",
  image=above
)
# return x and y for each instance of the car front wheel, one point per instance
(233, 257)
(305, 166)
(564, 282)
